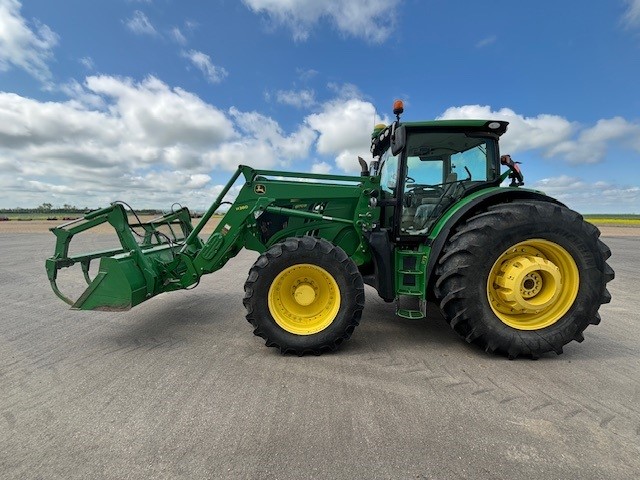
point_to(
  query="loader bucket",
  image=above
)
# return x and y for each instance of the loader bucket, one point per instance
(129, 275)
(119, 285)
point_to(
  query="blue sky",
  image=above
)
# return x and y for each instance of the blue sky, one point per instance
(157, 101)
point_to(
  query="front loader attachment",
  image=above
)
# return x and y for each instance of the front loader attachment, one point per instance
(127, 276)
(154, 257)
(167, 253)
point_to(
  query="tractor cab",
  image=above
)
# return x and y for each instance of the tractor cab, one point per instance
(426, 167)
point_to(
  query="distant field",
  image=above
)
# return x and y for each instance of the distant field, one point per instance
(632, 222)
(632, 216)
(38, 216)
(618, 220)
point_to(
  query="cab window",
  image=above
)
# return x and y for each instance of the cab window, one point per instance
(471, 162)
(424, 172)
(389, 174)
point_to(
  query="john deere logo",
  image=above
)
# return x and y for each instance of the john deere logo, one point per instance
(260, 189)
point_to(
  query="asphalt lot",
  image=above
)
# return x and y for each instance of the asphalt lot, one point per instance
(180, 388)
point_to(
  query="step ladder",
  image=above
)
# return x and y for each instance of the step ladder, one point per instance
(410, 282)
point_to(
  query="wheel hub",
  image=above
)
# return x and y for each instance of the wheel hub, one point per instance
(528, 284)
(533, 284)
(304, 294)
(304, 299)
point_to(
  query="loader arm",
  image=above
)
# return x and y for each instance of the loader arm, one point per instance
(270, 207)
(301, 203)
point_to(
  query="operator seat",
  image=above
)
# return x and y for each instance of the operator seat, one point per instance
(424, 211)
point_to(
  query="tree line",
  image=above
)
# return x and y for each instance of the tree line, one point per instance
(66, 208)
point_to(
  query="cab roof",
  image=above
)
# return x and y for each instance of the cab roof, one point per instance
(491, 126)
(381, 136)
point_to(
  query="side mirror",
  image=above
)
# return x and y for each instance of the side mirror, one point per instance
(398, 139)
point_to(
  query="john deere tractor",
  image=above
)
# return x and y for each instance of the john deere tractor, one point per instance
(513, 270)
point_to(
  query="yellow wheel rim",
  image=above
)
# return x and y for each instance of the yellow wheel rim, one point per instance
(304, 299)
(533, 284)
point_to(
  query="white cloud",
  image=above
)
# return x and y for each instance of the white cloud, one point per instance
(297, 98)
(266, 132)
(524, 133)
(322, 167)
(245, 151)
(87, 62)
(169, 181)
(597, 197)
(140, 141)
(306, 74)
(191, 25)
(140, 24)
(177, 36)
(345, 91)
(29, 49)
(553, 135)
(344, 128)
(631, 15)
(371, 20)
(152, 110)
(212, 73)
(96, 151)
(485, 42)
(591, 144)
(80, 96)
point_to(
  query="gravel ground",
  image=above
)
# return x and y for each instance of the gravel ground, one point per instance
(180, 388)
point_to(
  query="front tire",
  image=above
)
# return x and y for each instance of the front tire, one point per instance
(523, 278)
(304, 295)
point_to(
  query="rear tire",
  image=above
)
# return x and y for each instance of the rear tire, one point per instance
(523, 278)
(304, 295)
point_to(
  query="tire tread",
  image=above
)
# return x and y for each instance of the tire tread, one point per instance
(292, 245)
(455, 272)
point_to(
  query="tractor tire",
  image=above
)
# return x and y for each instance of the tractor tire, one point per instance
(304, 295)
(523, 278)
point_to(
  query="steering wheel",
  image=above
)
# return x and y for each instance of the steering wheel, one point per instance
(409, 179)
(427, 190)
(414, 195)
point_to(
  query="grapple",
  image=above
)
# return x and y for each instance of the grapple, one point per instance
(145, 264)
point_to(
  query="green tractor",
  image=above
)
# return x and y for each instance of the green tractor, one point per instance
(513, 270)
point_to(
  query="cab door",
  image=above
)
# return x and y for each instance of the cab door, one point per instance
(424, 182)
